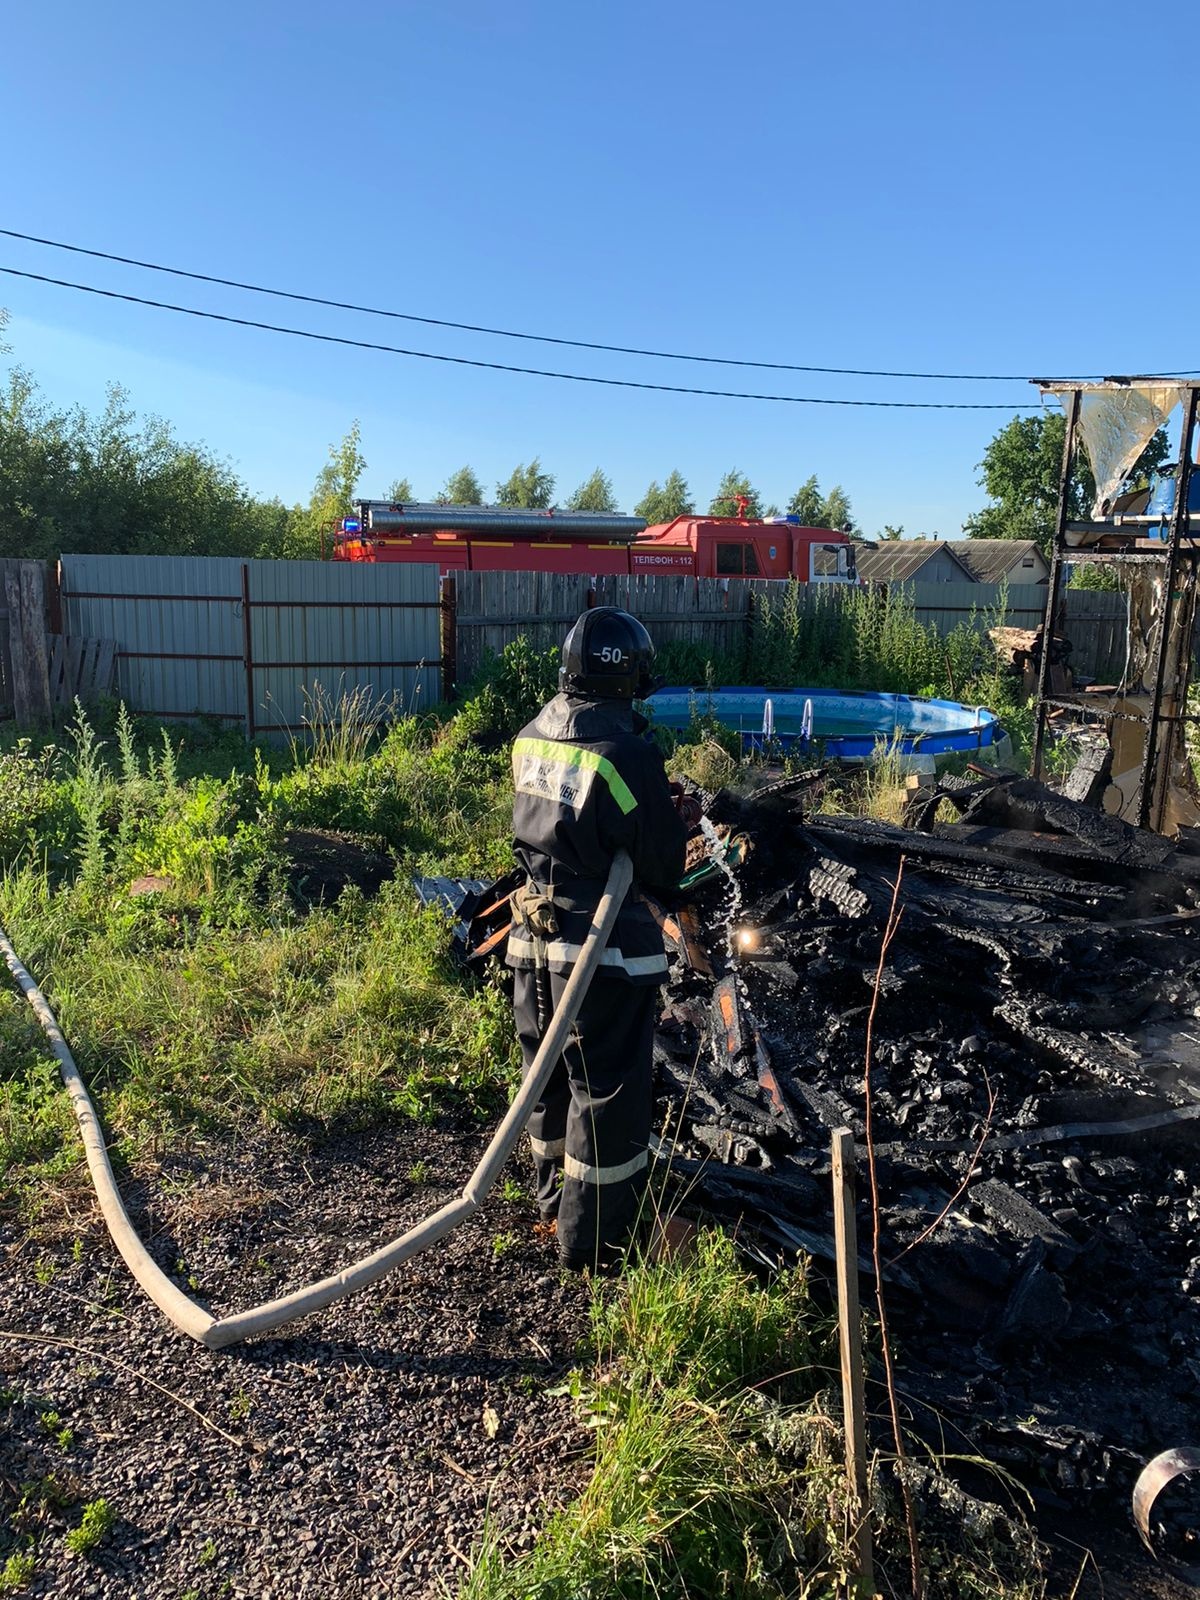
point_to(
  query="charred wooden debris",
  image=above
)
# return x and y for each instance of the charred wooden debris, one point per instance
(1037, 1033)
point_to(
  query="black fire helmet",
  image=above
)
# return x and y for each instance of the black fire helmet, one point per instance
(608, 655)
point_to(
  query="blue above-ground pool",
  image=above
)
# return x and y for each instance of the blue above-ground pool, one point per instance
(846, 723)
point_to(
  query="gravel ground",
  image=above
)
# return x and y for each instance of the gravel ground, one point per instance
(365, 1445)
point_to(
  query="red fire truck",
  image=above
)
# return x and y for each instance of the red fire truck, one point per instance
(495, 539)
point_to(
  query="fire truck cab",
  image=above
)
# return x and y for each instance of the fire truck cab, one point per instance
(745, 547)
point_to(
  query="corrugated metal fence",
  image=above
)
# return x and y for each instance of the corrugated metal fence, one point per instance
(251, 641)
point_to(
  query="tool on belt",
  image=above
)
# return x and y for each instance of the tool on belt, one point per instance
(533, 906)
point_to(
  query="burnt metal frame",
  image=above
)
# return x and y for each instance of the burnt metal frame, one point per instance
(1154, 777)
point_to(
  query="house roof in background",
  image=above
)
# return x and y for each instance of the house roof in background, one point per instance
(896, 560)
(993, 560)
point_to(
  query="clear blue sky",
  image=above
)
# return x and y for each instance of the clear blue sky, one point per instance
(862, 185)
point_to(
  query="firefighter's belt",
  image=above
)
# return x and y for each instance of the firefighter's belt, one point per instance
(535, 908)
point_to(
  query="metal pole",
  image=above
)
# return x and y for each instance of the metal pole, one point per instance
(247, 650)
(1153, 780)
(854, 1399)
(1056, 564)
(449, 632)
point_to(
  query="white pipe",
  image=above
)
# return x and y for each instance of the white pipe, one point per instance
(193, 1319)
(170, 1300)
(301, 1301)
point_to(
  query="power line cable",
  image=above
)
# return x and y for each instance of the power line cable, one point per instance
(540, 338)
(497, 366)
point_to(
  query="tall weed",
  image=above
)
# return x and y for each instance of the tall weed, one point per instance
(507, 692)
(91, 791)
(338, 731)
(37, 818)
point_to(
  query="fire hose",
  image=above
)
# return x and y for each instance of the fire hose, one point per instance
(214, 1333)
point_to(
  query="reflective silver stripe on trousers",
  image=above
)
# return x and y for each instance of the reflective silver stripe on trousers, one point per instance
(561, 950)
(548, 1149)
(582, 1173)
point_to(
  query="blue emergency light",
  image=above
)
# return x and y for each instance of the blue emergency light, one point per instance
(351, 524)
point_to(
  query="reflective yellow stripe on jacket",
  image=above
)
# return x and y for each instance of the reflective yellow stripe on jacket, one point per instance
(565, 773)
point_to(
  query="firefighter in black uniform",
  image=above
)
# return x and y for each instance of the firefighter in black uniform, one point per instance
(588, 784)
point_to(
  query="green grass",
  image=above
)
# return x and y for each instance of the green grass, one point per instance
(97, 1521)
(344, 1012)
(717, 1460)
(17, 1571)
(686, 1496)
(218, 998)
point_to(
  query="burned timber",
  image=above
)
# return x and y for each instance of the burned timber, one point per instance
(1035, 1078)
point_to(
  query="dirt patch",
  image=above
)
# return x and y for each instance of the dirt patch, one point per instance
(321, 864)
(370, 1441)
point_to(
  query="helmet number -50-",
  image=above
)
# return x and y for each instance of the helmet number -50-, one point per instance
(613, 654)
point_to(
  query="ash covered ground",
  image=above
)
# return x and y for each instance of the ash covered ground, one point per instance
(355, 1455)
(1036, 1035)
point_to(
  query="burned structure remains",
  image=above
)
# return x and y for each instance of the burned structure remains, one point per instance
(1036, 1036)
(1146, 539)
(1036, 1077)
(1034, 1066)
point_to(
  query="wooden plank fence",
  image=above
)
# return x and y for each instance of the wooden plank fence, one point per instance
(6, 671)
(43, 672)
(1098, 628)
(26, 663)
(80, 669)
(491, 609)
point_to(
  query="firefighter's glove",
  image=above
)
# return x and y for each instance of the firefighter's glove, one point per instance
(535, 908)
(688, 807)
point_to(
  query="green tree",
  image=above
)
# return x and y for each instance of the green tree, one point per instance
(1094, 575)
(1021, 469)
(666, 502)
(35, 472)
(594, 494)
(527, 489)
(400, 492)
(462, 488)
(113, 483)
(808, 504)
(835, 511)
(332, 497)
(892, 533)
(734, 488)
